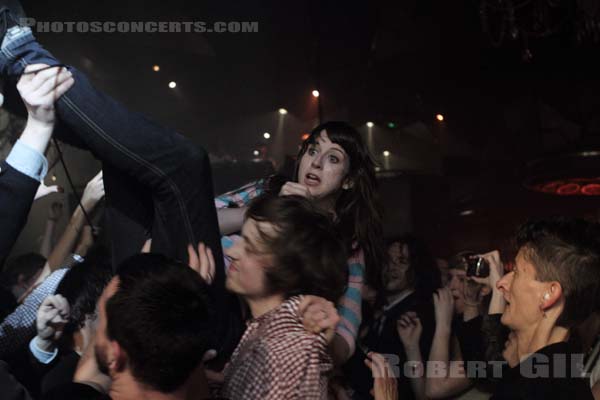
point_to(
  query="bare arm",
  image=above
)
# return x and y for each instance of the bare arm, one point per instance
(409, 330)
(54, 215)
(439, 383)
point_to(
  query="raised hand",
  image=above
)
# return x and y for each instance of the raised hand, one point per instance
(385, 385)
(319, 315)
(409, 330)
(496, 269)
(40, 90)
(202, 261)
(52, 316)
(44, 190)
(295, 189)
(94, 192)
(444, 308)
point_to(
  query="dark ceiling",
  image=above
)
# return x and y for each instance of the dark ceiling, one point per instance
(399, 62)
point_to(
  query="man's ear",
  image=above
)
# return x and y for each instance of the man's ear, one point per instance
(117, 357)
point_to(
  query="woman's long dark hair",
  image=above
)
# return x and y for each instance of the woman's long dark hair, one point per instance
(358, 209)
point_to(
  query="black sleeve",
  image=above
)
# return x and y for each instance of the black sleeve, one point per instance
(470, 338)
(75, 391)
(494, 336)
(17, 191)
(10, 388)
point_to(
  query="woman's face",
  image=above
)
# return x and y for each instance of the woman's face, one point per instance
(524, 295)
(323, 168)
(456, 284)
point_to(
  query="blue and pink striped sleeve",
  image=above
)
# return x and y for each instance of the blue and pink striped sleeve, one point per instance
(242, 196)
(350, 305)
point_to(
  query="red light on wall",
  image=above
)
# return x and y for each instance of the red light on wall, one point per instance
(569, 189)
(592, 189)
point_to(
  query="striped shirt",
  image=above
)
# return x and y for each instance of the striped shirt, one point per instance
(349, 306)
(19, 327)
(278, 359)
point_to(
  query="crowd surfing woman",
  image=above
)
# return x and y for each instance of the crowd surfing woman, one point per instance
(335, 170)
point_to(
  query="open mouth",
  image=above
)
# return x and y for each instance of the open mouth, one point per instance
(231, 268)
(311, 179)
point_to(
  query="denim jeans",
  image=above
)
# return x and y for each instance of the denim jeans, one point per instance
(155, 178)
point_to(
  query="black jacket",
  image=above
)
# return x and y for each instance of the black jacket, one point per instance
(17, 191)
(546, 374)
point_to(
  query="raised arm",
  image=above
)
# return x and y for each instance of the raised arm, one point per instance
(439, 383)
(26, 166)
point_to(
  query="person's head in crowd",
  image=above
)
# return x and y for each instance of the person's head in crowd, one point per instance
(82, 286)
(410, 266)
(336, 166)
(21, 272)
(459, 282)
(287, 248)
(155, 323)
(556, 275)
(444, 267)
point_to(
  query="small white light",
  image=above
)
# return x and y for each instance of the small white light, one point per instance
(156, 68)
(282, 111)
(377, 169)
(465, 213)
(439, 117)
(256, 153)
(315, 93)
(172, 85)
(386, 153)
(53, 178)
(267, 135)
(370, 124)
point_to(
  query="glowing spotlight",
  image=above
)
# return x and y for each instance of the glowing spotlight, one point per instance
(439, 117)
(370, 124)
(267, 135)
(315, 93)
(256, 153)
(53, 178)
(466, 213)
(282, 111)
(386, 153)
(172, 85)
(156, 68)
(305, 136)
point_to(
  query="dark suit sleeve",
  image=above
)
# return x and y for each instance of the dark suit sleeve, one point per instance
(10, 388)
(17, 191)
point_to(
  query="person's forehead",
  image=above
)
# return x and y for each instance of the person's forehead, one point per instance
(455, 271)
(251, 231)
(522, 261)
(323, 140)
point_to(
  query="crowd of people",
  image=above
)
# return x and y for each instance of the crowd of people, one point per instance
(282, 289)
